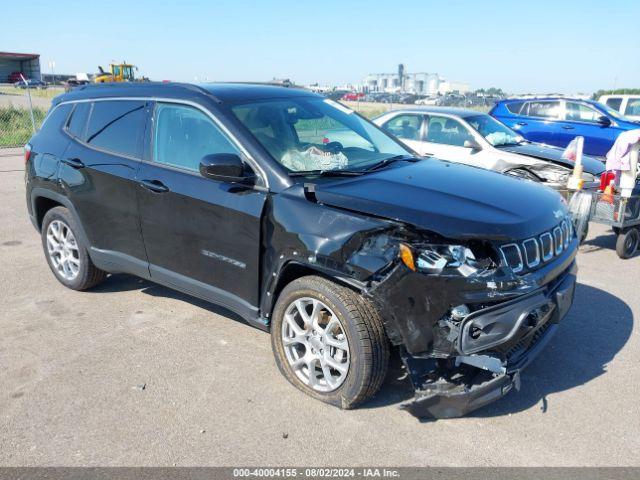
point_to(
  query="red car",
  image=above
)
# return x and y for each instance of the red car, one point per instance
(15, 77)
(352, 96)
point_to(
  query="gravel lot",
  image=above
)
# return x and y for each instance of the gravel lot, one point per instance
(73, 366)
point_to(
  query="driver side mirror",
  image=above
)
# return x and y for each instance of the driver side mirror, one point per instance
(224, 167)
(604, 121)
(472, 144)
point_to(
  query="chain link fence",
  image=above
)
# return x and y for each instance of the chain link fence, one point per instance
(22, 111)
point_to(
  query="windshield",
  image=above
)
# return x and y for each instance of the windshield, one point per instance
(495, 132)
(316, 134)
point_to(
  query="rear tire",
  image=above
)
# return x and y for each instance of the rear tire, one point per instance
(627, 243)
(365, 347)
(66, 253)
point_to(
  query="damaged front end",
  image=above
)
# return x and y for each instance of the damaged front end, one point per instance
(467, 321)
(467, 313)
(493, 345)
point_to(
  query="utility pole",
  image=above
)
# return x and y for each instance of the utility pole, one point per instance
(52, 65)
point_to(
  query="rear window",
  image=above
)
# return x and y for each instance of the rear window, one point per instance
(514, 107)
(117, 126)
(78, 121)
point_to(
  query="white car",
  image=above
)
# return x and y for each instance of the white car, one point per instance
(474, 138)
(627, 105)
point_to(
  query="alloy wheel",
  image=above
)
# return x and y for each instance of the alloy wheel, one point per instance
(315, 344)
(63, 250)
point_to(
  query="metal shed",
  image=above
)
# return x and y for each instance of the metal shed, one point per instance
(26, 63)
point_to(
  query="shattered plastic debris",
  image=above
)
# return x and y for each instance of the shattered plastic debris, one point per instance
(314, 159)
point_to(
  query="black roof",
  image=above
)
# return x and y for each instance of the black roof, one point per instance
(219, 92)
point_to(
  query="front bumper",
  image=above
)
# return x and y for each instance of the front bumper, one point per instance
(452, 388)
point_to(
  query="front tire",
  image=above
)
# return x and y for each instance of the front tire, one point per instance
(66, 253)
(329, 342)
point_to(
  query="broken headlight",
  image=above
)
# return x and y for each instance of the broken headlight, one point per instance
(446, 260)
(551, 173)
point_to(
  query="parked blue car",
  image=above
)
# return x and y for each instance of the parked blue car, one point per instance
(558, 120)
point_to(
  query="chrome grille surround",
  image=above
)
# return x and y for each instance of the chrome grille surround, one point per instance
(557, 240)
(508, 251)
(528, 245)
(546, 241)
(532, 252)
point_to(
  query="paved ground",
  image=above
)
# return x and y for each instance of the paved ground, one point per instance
(71, 365)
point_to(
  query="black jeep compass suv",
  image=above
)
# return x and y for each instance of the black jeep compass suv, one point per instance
(311, 223)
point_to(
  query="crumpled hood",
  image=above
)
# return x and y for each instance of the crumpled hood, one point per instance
(453, 200)
(589, 164)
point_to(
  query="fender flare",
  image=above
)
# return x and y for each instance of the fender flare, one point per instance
(39, 192)
(270, 298)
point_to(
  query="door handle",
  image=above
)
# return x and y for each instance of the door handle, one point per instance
(522, 124)
(73, 162)
(567, 127)
(154, 185)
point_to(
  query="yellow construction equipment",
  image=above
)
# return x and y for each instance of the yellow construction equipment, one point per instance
(120, 72)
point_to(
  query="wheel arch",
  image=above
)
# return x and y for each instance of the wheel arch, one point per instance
(43, 200)
(292, 270)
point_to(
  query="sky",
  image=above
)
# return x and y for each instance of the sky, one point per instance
(562, 46)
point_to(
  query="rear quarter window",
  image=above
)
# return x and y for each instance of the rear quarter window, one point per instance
(77, 124)
(514, 107)
(55, 120)
(614, 103)
(117, 126)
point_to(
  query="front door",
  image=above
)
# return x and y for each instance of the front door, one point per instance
(202, 236)
(444, 138)
(583, 120)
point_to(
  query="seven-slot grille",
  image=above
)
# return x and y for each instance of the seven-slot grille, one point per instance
(534, 251)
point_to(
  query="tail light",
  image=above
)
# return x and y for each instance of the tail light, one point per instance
(27, 153)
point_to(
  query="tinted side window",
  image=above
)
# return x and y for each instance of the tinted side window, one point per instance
(614, 103)
(117, 126)
(405, 126)
(78, 122)
(183, 135)
(514, 107)
(549, 110)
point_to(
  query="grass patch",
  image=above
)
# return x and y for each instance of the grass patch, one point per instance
(50, 92)
(15, 125)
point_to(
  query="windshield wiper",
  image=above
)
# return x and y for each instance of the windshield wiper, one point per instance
(390, 160)
(326, 173)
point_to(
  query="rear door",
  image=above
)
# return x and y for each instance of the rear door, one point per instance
(538, 122)
(99, 171)
(202, 236)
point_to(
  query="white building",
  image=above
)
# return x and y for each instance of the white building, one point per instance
(421, 83)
